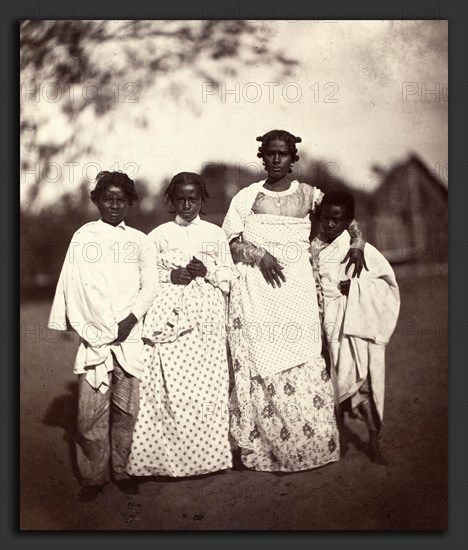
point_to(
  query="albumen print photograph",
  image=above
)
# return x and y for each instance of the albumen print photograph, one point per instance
(233, 268)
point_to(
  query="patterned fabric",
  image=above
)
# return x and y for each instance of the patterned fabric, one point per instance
(280, 331)
(284, 422)
(282, 409)
(183, 425)
(297, 201)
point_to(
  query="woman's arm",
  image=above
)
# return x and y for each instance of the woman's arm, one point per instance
(356, 235)
(248, 253)
(355, 255)
(245, 252)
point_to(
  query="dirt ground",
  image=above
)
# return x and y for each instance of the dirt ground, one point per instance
(353, 494)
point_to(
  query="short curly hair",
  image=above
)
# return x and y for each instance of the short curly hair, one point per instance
(340, 198)
(186, 178)
(104, 180)
(283, 135)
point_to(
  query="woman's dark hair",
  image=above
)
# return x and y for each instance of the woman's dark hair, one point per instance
(340, 198)
(104, 180)
(186, 178)
(282, 135)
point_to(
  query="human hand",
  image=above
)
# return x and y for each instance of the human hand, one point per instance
(355, 256)
(344, 287)
(196, 268)
(181, 276)
(125, 328)
(271, 270)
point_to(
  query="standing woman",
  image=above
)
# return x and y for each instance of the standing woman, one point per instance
(183, 424)
(283, 403)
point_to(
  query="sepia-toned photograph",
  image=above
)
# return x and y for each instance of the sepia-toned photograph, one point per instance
(234, 275)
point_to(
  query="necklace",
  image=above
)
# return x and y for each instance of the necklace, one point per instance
(276, 198)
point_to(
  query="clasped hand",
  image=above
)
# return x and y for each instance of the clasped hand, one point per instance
(184, 275)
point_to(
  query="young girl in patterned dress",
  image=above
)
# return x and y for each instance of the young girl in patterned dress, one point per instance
(283, 401)
(183, 424)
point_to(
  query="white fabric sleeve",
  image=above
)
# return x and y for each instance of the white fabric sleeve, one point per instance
(245, 252)
(357, 240)
(149, 280)
(373, 302)
(221, 273)
(83, 299)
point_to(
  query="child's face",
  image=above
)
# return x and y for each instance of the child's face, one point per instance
(277, 159)
(113, 204)
(334, 221)
(187, 201)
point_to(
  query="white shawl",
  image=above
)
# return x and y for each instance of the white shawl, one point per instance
(358, 326)
(239, 209)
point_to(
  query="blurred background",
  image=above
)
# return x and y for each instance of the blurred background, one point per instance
(153, 98)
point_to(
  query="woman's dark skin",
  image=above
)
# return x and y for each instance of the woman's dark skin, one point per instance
(278, 160)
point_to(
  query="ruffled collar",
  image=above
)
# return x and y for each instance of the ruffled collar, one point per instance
(275, 194)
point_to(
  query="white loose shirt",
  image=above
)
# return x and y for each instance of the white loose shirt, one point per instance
(108, 273)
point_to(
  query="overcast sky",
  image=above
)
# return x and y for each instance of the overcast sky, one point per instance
(364, 93)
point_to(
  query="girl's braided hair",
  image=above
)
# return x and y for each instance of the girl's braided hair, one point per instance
(186, 177)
